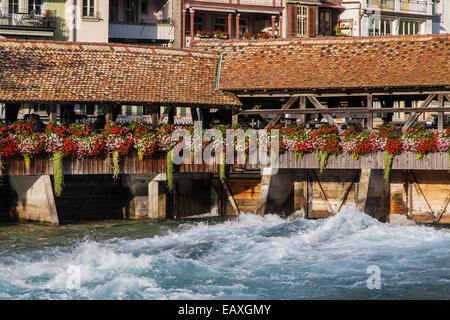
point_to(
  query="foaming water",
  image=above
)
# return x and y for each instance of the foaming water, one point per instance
(252, 257)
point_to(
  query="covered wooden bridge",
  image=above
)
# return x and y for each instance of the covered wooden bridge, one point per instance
(307, 82)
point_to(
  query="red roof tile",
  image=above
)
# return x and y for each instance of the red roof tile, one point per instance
(333, 63)
(46, 71)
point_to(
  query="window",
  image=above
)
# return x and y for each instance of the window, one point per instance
(325, 22)
(243, 26)
(113, 10)
(380, 27)
(144, 7)
(302, 20)
(130, 11)
(408, 27)
(198, 24)
(88, 8)
(219, 24)
(34, 6)
(13, 6)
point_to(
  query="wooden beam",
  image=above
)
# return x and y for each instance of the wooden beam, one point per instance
(415, 115)
(441, 114)
(318, 105)
(235, 117)
(344, 196)
(342, 110)
(285, 106)
(166, 112)
(444, 207)
(230, 197)
(155, 116)
(51, 110)
(322, 193)
(447, 96)
(369, 115)
(420, 192)
(302, 105)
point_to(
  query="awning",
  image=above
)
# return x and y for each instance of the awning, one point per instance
(334, 6)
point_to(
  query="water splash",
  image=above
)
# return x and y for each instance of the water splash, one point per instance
(252, 257)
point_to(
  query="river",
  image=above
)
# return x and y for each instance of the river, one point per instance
(251, 257)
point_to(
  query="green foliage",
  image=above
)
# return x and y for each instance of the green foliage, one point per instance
(388, 157)
(169, 170)
(27, 159)
(115, 161)
(58, 173)
(322, 157)
(222, 167)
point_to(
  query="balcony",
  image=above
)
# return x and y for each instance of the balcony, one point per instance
(160, 30)
(414, 6)
(28, 24)
(235, 3)
(381, 4)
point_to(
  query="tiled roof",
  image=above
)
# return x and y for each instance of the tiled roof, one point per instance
(46, 71)
(333, 63)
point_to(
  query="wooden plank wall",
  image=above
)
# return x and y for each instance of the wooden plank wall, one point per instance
(132, 165)
(406, 199)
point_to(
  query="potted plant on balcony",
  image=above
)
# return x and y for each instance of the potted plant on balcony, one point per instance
(219, 34)
(249, 35)
(46, 17)
(203, 34)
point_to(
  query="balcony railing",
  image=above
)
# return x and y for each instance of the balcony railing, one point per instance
(416, 6)
(263, 3)
(382, 4)
(28, 20)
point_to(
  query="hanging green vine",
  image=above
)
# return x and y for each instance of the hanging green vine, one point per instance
(223, 167)
(169, 171)
(388, 157)
(115, 161)
(27, 159)
(322, 157)
(58, 173)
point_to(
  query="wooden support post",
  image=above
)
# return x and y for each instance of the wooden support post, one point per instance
(194, 114)
(229, 26)
(280, 26)
(415, 115)
(264, 191)
(51, 110)
(285, 106)
(273, 26)
(108, 110)
(302, 105)
(369, 114)
(441, 114)
(171, 115)
(183, 35)
(322, 193)
(230, 197)
(157, 197)
(235, 117)
(238, 16)
(318, 105)
(155, 116)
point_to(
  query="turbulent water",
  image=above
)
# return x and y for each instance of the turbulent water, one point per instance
(249, 258)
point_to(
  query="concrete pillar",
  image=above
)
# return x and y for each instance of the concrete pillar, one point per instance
(300, 193)
(157, 197)
(137, 184)
(373, 194)
(35, 199)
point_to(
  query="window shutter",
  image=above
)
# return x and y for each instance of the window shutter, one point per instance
(312, 21)
(293, 19)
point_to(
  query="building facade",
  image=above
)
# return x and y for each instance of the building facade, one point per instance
(149, 22)
(387, 17)
(441, 23)
(32, 19)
